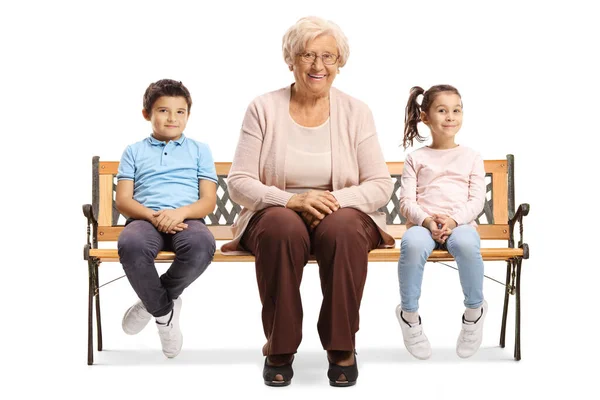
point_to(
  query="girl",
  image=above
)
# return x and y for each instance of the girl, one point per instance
(443, 191)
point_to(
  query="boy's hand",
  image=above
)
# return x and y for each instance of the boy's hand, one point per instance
(168, 221)
(178, 228)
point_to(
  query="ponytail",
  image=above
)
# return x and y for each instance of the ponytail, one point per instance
(412, 117)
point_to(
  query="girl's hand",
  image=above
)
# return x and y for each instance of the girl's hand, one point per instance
(445, 224)
(437, 232)
(445, 220)
(444, 234)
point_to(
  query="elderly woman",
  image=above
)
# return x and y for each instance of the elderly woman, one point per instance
(310, 174)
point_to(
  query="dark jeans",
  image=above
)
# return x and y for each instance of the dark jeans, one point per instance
(139, 244)
(282, 245)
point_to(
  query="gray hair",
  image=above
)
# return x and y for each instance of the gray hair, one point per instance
(307, 29)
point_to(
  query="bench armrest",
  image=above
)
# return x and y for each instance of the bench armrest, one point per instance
(88, 212)
(522, 211)
(92, 227)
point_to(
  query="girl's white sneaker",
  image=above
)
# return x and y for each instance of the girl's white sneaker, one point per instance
(415, 340)
(471, 334)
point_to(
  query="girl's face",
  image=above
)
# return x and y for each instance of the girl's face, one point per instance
(444, 117)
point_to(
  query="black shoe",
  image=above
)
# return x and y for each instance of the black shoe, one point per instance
(350, 371)
(271, 371)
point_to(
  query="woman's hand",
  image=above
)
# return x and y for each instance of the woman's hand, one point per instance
(316, 203)
(310, 220)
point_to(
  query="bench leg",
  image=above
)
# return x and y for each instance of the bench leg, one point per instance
(505, 310)
(518, 312)
(90, 358)
(98, 319)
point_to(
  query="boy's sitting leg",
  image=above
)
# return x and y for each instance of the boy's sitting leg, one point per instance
(194, 249)
(139, 244)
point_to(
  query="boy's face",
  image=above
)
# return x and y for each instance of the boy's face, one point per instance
(169, 117)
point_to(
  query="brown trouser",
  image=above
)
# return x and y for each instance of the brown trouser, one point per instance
(282, 244)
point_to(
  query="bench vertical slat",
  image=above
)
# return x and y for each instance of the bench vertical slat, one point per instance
(500, 197)
(106, 200)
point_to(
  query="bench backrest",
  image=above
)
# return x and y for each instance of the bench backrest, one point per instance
(493, 220)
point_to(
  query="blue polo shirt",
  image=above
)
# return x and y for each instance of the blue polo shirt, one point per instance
(165, 175)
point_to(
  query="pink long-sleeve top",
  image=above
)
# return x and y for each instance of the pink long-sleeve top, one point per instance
(450, 182)
(359, 175)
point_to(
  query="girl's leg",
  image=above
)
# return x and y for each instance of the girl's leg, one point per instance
(464, 244)
(415, 248)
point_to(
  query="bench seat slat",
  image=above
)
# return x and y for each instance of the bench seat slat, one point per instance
(486, 232)
(383, 255)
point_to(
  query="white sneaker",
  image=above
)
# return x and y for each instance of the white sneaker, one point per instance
(170, 333)
(471, 335)
(415, 340)
(135, 319)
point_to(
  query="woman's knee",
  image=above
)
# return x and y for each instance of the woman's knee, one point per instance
(343, 224)
(282, 224)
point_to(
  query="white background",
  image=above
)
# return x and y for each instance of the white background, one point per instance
(73, 76)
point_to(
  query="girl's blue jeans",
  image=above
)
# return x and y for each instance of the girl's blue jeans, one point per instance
(415, 248)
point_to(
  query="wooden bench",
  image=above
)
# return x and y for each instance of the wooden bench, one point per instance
(496, 222)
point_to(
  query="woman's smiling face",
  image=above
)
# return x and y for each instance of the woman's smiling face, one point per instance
(316, 78)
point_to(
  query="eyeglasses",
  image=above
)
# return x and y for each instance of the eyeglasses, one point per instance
(310, 57)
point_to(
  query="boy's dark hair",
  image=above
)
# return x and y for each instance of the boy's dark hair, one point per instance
(412, 115)
(165, 87)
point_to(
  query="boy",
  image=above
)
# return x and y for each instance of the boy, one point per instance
(166, 186)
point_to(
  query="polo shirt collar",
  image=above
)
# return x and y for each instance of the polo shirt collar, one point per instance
(153, 141)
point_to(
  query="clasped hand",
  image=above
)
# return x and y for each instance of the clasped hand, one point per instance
(313, 206)
(169, 221)
(440, 226)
